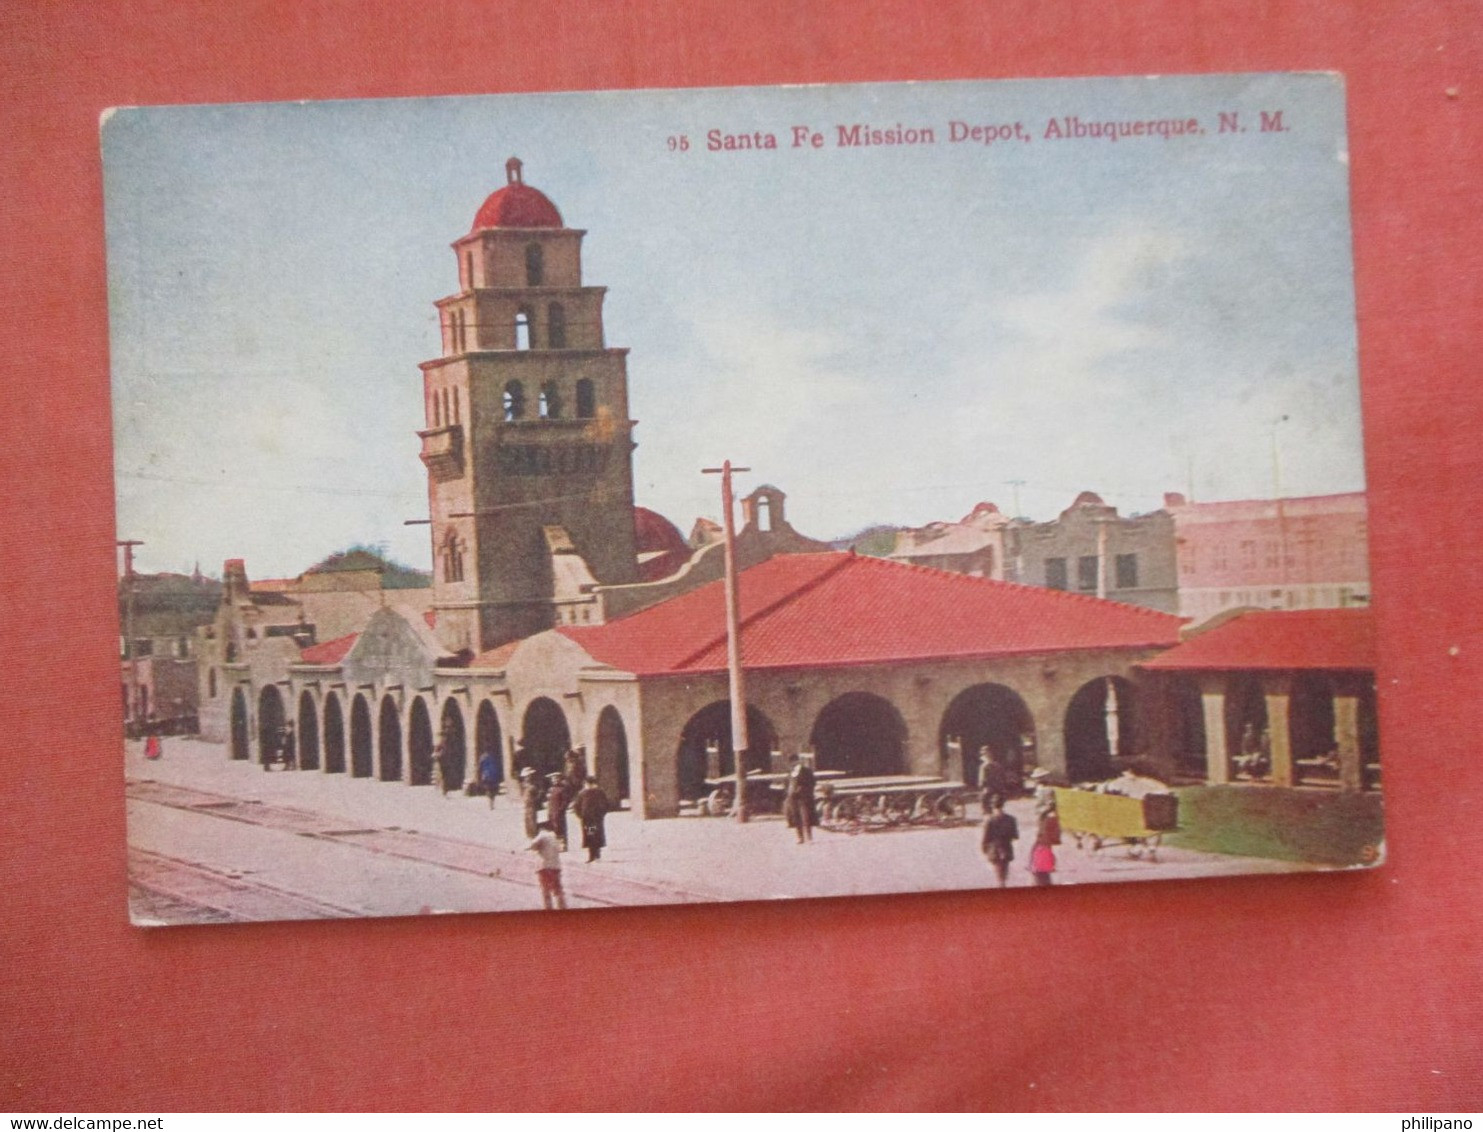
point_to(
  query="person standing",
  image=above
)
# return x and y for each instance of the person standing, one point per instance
(491, 775)
(548, 871)
(289, 747)
(1000, 833)
(591, 807)
(558, 798)
(798, 802)
(530, 799)
(440, 780)
(154, 747)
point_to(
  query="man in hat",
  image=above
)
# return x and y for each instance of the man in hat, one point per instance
(1001, 831)
(530, 797)
(1045, 796)
(549, 868)
(591, 807)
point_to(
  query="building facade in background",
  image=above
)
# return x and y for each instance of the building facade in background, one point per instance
(1310, 552)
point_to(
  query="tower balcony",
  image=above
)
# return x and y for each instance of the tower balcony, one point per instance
(442, 451)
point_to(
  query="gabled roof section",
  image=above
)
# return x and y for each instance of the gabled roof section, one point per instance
(833, 609)
(1332, 639)
(329, 652)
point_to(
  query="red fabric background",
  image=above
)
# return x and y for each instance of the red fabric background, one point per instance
(1290, 992)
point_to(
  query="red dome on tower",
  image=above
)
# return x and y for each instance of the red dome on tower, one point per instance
(517, 205)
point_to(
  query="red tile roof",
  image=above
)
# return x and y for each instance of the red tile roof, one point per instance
(824, 610)
(1279, 639)
(329, 652)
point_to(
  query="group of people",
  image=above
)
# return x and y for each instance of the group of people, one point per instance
(570, 790)
(1001, 830)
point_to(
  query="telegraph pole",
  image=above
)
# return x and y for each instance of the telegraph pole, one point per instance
(129, 545)
(739, 739)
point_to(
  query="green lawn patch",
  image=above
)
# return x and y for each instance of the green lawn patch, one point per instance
(1318, 826)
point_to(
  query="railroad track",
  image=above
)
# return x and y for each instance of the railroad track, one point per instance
(510, 867)
(166, 889)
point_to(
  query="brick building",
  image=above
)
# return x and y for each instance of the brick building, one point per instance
(1300, 553)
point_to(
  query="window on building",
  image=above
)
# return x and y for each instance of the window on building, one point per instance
(550, 402)
(468, 270)
(535, 265)
(452, 557)
(1248, 553)
(1055, 574)
(1127, 571)
(143, 646)
(1086, 573)
(211, 683)
(514, 401)
(434, 418)
(455, 405)
(556, 326)
(586, 398)
(182, 648)
(522, 330)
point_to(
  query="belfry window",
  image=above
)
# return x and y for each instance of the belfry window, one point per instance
(586, 399)
(550, 402)
(535, 265)
(514, 401)
(556, 327)
(468, 271)
(452, 558)
(522, 330)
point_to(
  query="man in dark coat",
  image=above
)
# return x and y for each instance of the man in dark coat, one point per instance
(1000, 833)
(490, 775)
(798, 802)
(591, 807)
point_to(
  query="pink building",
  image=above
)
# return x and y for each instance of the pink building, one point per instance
(1305, 553)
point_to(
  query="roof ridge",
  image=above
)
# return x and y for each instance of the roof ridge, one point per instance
(975, 579)
(830, 570)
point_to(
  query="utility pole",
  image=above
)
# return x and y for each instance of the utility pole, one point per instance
(737, 691)
(129, 545)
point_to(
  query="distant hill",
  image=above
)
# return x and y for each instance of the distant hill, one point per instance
(394, 575)
(877, 540)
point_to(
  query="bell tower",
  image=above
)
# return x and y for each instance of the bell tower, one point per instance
(528, 443)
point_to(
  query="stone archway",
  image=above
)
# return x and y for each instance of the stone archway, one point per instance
(705, 747)
(612, 755)
(419, 744)
(334, 735)
(545, 737)
(308, 732)
(859, 733)
(992, 716)
(241, 730)
(362, 749)
(270, 720)
(488, 740)
(452, 737)
(1100, 729)
(389, 749)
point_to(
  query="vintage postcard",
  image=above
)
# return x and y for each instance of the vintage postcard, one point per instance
(568, 501)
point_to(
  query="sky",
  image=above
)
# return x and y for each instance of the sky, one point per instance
(889, 333)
